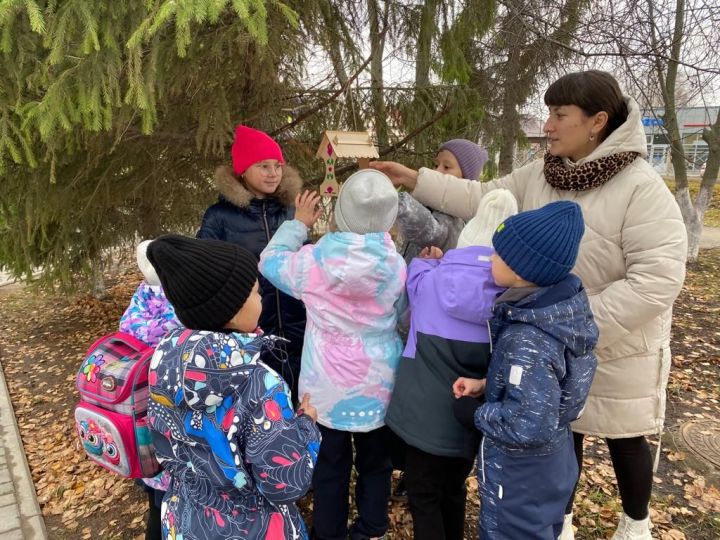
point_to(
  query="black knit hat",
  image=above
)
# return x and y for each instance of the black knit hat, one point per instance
(207, 281)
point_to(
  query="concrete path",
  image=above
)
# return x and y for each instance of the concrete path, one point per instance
(20, 517)
(710, 238)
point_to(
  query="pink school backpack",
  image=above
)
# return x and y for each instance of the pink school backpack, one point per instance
(111, 418)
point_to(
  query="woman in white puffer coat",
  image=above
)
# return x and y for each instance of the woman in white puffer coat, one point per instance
(631, 261)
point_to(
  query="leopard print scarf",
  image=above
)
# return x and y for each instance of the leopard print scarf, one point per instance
(588, 175)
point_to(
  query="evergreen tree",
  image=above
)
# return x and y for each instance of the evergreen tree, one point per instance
(113, 115)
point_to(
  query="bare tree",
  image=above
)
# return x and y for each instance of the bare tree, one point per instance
(679, 45)
(665, 51)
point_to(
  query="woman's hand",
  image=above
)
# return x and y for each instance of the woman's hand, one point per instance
(400, 175)
(306, 208)
(306, 408)
(466, 386)
(431, 252)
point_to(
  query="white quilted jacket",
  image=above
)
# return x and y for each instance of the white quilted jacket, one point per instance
(631, 261)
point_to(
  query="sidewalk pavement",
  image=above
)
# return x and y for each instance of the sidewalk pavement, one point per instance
(20, 517)
(710, 238)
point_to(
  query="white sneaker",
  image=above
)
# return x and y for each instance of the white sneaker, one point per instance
(631, 529)
(568, 533)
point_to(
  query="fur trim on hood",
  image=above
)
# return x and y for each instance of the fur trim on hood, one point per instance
(235, 191)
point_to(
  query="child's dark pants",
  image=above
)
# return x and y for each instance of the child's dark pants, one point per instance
(153, 530)
(331, 483)
(436, 493)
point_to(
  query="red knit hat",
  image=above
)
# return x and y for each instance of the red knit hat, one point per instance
(250, 146)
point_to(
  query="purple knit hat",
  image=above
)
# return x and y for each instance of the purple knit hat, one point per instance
(469, 156)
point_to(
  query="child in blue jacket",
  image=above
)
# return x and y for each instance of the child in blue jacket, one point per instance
(222, 421)
(542, 365)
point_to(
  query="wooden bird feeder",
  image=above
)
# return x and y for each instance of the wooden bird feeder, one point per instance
(337, 145)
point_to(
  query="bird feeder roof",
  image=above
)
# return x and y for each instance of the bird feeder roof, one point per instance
(348, 144)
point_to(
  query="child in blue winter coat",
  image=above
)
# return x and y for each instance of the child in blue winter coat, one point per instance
(353, 285)
(451, 299)
(222, 421)
(148, 318)
(256, 197)
(542, 365)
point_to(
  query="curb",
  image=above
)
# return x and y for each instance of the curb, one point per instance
(26, 509)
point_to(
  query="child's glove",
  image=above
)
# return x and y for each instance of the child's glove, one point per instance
(464, 409)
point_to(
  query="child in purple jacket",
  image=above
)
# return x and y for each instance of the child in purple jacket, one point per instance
(451, 298)
(148, 318)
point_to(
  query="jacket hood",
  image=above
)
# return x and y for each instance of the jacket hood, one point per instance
(628, 137)
(234, 191)
(201, 368)
(561, 310)
(357, 263)
(463, 288)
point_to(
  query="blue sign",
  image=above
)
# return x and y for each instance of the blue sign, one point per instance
(650, 121)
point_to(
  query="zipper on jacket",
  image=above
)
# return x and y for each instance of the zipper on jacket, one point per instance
(482, 458)
(277, 293)
(489, 334)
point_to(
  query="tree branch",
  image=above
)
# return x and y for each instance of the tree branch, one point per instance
(324, 102)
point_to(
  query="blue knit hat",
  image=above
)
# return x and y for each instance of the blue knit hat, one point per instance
(469, 156)
(541, 245)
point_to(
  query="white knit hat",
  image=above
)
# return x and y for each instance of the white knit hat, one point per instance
(495, 207)
(367, 203)
(146, 267)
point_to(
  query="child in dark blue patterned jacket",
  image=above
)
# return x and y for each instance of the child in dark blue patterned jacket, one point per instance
(222, 421)
(542, 365)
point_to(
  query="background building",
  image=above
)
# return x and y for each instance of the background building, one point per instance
(692, 121)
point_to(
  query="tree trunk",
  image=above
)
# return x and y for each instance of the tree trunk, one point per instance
(668, 85)
(377, 49)
(98, 280)
(677, 152)
(511, 99)
(333, 50)
(422, 103)
(707, 186)
(693, 222)
(424, 43)
(509, 122)
(149, 226)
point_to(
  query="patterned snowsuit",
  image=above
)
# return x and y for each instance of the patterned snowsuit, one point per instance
(224, 427)
(149, 316)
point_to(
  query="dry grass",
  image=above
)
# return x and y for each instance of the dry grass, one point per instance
(712, 216)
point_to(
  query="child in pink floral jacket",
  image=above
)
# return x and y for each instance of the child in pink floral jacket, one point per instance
(148, 318)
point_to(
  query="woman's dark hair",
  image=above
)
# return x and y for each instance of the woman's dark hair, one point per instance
(593, 91)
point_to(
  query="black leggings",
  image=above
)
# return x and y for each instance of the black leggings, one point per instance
(153, 531)
(633, 464)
